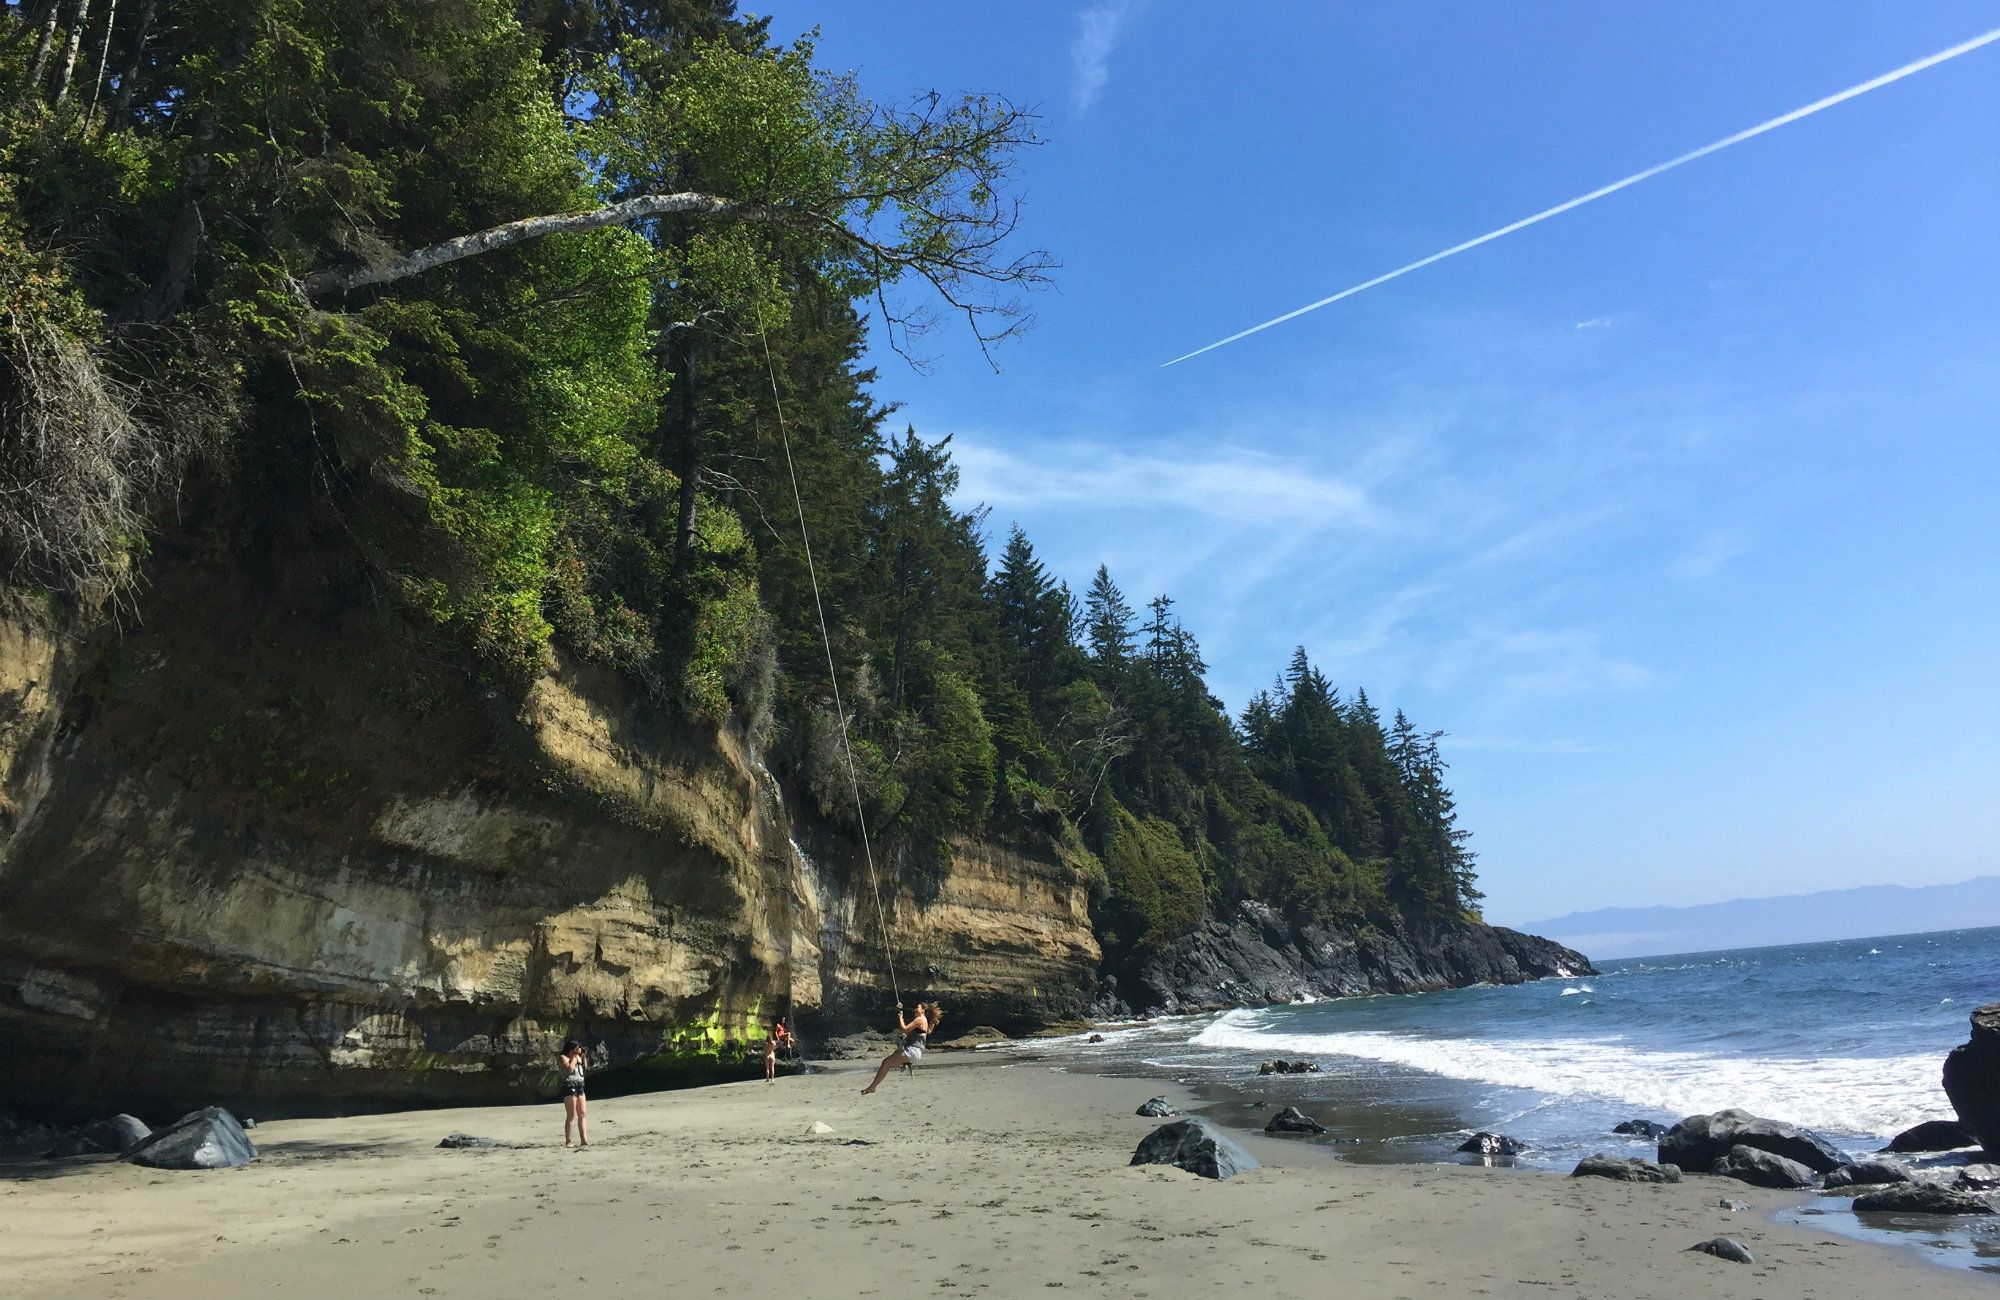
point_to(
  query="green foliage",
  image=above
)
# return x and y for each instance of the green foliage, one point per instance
(1157, 889)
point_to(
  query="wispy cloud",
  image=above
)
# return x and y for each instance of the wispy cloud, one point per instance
(1595, 323)
(1097, 31)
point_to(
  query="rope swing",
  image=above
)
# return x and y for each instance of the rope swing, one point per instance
(832, 676)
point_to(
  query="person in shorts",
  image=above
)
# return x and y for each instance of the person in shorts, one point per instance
(576, 1108)
(916, 1034)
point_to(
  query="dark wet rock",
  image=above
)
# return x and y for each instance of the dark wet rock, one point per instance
(1492, 1144)
(1761, 1169)
(1932, 1135)
(1625, 1169)
(209, 1138)
(118, 1134)
(1972, 1079)
(1921, 1198)
(1195, 1145)
(249, 1123)
(1728, 1204)
(1257, 957)
(1725, 1248)
(458, 1141)
(72, 1144)
(1698, 1141)
(1288, 1067)
(1644, 1128)
(1289, 1120)
(1157, 1108)
(1978, 1178)
(1866, 1173)
(1095, 1038)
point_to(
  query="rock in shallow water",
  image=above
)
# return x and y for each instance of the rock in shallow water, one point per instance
(1932, 1135)
(1626, 1169)
(209, 1138)
(1761, 1169)
(1921, 1198)
(1195, 1145)
(1492, 1144)
(1157, 1108)
(1865, 1173)
(1698, 1141)
(1644, 1128)
(1725, 1248)
(1289, 1120)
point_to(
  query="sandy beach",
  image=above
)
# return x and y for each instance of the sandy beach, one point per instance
(979, 1175)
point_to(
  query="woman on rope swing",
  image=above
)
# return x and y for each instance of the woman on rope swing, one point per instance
(916, 1031)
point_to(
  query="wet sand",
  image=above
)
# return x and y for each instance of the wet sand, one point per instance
(979, 1175)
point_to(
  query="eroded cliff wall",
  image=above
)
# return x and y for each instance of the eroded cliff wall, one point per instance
(265, 846)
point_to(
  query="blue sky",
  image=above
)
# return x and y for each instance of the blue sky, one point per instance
(1677, 512)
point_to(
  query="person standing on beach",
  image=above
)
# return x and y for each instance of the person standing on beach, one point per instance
(575, 1107)
(776, 1036)
(916, 1034)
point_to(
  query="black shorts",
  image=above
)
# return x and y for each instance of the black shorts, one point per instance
(572, 1089)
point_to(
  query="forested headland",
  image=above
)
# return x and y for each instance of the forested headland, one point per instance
(529, 313)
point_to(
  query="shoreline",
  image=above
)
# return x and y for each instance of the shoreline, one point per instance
(979, 1175)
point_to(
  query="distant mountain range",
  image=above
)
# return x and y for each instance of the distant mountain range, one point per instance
(1760, 922)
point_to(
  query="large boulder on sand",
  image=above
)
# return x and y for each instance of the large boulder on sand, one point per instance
(1289, 1120)
(1932, 1135)
(1156, 1108)
(1761, 1169)
(1972, 1078)
(118, 1134)
(209, 1138)
(1195, 1145)
(1628, 1169)
(1698, 1141)
(1920, 1198)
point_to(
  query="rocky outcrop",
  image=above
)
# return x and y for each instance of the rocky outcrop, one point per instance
(1260, 959)
(1932, 1135)
(1972, 1079)
(270, 846)
(1292, 1120)
(1921, 1198)
(1761, 1168)
(1865, 1173)
(210, 1138)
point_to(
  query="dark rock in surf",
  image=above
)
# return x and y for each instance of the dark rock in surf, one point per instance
(1725, 1248)
(1921, 1198)
(1289, 1120)
(1625, 1169)
(1761, 1169)
(1644, 1128)
(1157, 1108)
(1698, 1141)
(1195, 1145)
(460, 1141)
(1095, 1038)
(118, 1134)
(1972, 1079)
(1865, 1173)
(1977, 1178)
(1932, 1135)
(1492, 1144)
(209, 1138)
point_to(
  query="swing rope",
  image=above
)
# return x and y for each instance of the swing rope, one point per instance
(832, 676)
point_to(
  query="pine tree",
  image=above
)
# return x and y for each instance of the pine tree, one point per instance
(1107, 621)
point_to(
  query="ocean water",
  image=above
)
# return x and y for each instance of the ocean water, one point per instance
(1847, 1038)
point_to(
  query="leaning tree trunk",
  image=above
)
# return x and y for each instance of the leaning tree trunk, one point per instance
(48, 43)
(104, 54)
(76, 26)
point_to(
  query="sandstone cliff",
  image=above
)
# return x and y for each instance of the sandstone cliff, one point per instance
(257, 848)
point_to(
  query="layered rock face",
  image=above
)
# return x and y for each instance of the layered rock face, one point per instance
(1259, 958)
(262, 849)
(1972, 1079)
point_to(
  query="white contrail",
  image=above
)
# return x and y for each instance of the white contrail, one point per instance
(1841, 97)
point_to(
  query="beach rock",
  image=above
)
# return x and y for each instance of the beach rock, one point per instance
(1932, 1135)
(209, 1138)
(1921, 1198)
(1644, 1128)
(1625, 1169)
(457, 1141)
(1698, 1141)
(1289, 1120)
(1761, 1169)
(118, 1134)
(1492, 1144)
(1157, 1108)
(1195, 1145)
(1095, 1038)
(1977, 1178)
(72, 1144)
(819, 1129)
(1972, 1078)
(1727, 1204)
(1725, 1248)
(1865, 1173)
